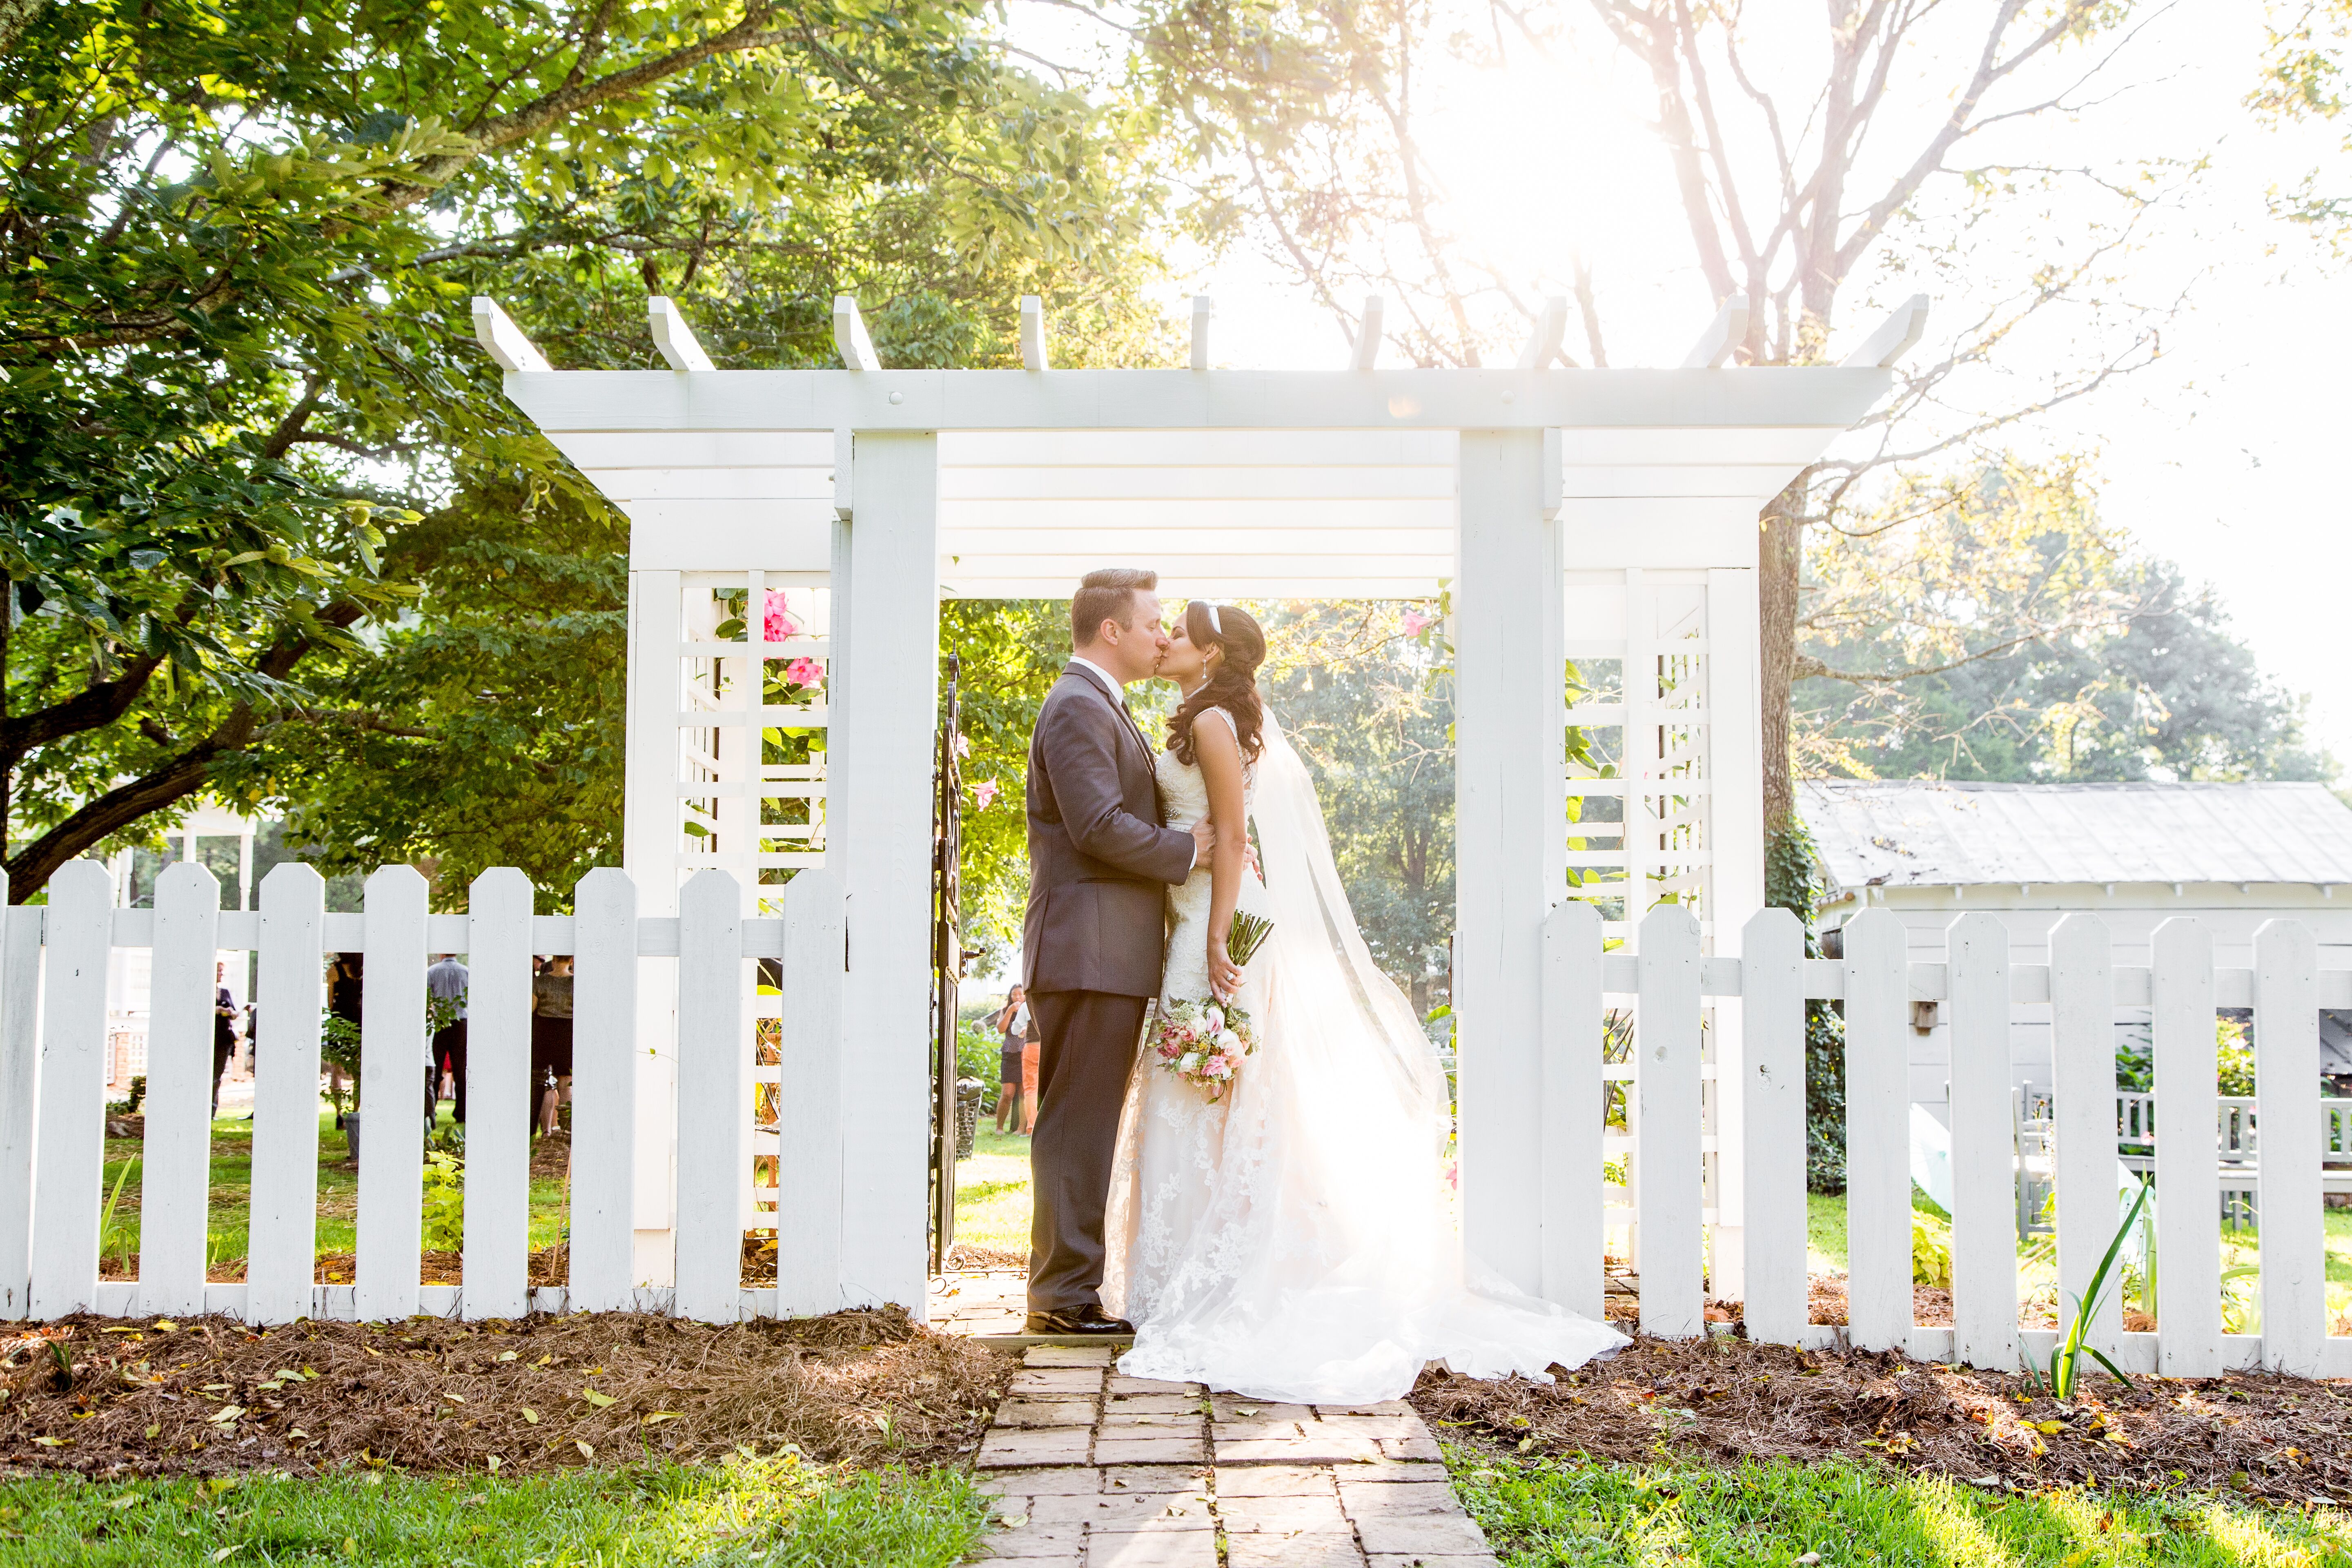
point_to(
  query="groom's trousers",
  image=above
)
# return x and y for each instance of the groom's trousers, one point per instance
(1090, 1040)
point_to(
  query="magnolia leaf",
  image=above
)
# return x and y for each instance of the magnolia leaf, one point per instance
(594, 1398)
(586, 1452)
(531, 1415)
(52, 1442)
(660, 1416)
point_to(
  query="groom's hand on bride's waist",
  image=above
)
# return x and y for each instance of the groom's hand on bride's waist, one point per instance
(1205, 839)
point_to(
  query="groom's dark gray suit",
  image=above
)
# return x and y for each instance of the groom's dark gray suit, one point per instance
(1092, 940)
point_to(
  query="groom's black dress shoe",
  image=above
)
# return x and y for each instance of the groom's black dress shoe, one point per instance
(1086, 1319)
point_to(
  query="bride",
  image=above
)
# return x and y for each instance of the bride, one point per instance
(1280, 1222)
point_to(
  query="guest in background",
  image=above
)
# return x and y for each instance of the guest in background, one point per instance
(447, 982)
(345, 982)
(223, 1028)
(1011, 1025)
(550, 1038)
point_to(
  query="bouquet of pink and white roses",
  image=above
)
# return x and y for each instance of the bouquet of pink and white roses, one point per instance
(1203, 1043)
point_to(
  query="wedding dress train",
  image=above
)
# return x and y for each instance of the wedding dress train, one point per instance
(1296, 1240)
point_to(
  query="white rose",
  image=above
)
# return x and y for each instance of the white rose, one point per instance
(1229, 1042)
(1215, 1016)
(1188, 1062)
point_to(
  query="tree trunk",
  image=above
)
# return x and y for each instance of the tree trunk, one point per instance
(1779, 561)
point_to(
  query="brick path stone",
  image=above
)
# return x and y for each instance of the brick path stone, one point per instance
(1094, 1469)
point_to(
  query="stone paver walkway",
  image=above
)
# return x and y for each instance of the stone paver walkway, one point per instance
(1097, 1469)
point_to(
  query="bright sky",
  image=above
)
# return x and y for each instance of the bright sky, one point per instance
(2222, 457)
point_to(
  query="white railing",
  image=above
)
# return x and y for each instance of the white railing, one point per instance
(1673, 984)
(53, 1042)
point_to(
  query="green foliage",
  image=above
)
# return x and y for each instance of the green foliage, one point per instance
(445, 1202)
(1791, 882)
(2233, 1063)
(1010, 652)
(267, 519)
(775, 1511)
(979, 1054)
(2066, 1356)
(1931, 1249)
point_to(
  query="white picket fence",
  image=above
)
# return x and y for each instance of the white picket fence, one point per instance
(1671, 984)
(53, 968)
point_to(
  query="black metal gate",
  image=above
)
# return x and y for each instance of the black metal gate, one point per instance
(947, 965)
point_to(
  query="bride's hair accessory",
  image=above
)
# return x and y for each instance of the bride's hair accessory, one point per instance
(1231, 685)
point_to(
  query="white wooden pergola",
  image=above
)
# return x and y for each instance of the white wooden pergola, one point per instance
(1607, 516)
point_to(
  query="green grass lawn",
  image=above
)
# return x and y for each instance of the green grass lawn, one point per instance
(1574, 1515)
(230, 1205)
(992, 1191)
(769, 1511)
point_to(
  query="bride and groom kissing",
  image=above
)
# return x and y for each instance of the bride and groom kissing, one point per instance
(1240, 1158)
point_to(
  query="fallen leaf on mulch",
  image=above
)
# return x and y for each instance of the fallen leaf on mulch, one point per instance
(536, 1393)
(1723, 1400)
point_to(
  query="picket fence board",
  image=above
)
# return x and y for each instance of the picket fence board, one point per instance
(2287, 1067)
(713, 1057)
(2083, 1047)
(501, 1098)
(2187, 1191)
(1984, 1213)
(392, 1096)
(603, 1088)
(1669, 1173)
(175, 1170)
(1573, 1220)
(1877, 1130)
(71, 1137)
(20, 1076)
(808, 1087)
(1772, 1085)
(289, 996)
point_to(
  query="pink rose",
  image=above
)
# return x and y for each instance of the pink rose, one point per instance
(777, 623)
(804, 671)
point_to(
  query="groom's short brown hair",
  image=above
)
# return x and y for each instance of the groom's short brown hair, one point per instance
(1106, 594)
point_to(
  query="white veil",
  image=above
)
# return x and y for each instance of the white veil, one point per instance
(1297, 1241)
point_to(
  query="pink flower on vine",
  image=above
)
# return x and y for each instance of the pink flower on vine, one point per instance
(805, 672)
(779, 624)
(984, 794)
(1416, 623)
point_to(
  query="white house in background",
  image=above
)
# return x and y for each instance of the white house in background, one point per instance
(2135, 855)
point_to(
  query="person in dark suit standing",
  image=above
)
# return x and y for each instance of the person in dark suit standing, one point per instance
(1092, 938)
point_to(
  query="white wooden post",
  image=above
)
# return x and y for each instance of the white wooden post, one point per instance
(2082, 1075)
(650, 839)
(174, 1177)
(1984, 1200)
(1732, 811)
(2286, 1093)
(501, 1099)
(1877, 1131)
(385, 1280)
(713, 1104)
(2188, 1180)
(281, 1253)
(878, 803)
(1511, 838)
(603, 1091)
(1771, 1088)
(72, 1132)
(20, 1078)
(1573, 1222)
(808, 1087)
(1666, 1078)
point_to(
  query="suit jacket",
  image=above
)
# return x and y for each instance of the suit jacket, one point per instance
(1099, 861)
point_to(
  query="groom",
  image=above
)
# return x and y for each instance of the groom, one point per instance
(1099, 867)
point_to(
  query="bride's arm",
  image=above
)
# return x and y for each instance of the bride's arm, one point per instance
(1219, 755)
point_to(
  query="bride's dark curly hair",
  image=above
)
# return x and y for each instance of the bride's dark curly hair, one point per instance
(1231, 685)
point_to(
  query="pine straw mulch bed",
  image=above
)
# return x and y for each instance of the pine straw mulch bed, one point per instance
(1722, 1400)
(211, 1396)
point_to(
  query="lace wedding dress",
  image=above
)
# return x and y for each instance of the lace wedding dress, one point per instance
(1297, 1239)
